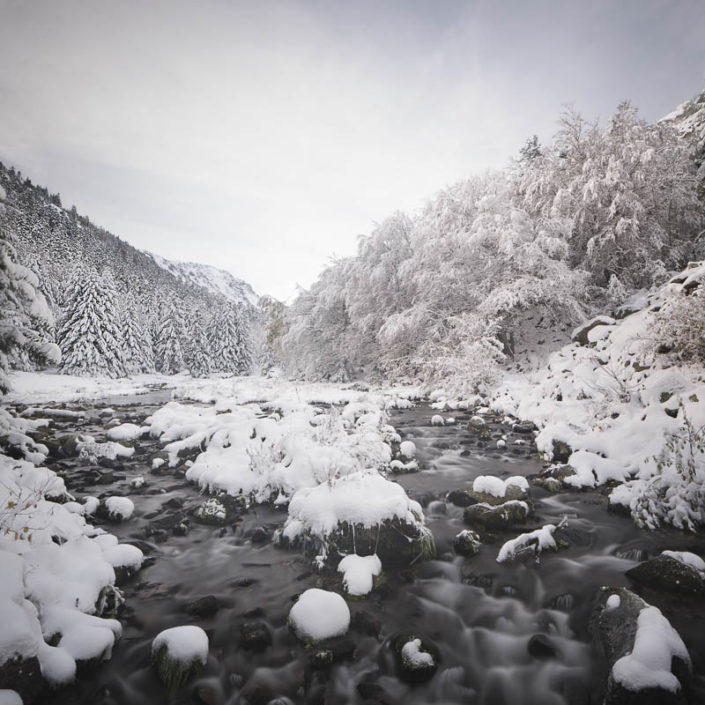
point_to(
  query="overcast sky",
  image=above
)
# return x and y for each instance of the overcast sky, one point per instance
(264, 136)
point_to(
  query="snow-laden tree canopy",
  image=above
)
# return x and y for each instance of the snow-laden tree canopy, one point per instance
(448, 294)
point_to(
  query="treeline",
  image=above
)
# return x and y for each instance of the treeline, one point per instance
(498, 261)
(111, 308)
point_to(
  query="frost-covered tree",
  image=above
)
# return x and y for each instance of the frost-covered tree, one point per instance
(24, 313)
(197, 350)
(169, 356)
(494, 262)
(230, 346)
(138, 346)
(90, 337)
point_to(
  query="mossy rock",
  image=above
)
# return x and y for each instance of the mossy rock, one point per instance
(174, 674)
(496, 518)
(467, 543)
(467, 497)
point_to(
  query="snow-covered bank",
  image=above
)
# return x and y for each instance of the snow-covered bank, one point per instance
(46, 387)
(57, 573)
(621, 410)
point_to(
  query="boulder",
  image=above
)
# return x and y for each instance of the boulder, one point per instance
(255, 636)
(467, 543)
(496, 518)
(203, 607)
(615, 620)
(668, 574)
(179, 654)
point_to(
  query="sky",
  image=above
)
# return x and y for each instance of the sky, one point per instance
(265, 137)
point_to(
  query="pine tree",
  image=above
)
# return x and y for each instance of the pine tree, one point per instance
(168, 348)
(197, 352)
(244, 341)
(229, 341)
(137, 340)
(91, 337)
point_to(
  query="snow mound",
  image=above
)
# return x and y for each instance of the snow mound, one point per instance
(413, 656)
(119, 508)
(495, 486)
(362, 498)
(649, 664)
(359, 573)
(125, 432)
(183, 644)
(319, 614)
(538, 541)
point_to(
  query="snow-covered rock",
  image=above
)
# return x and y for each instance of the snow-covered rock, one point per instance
(179, 654)
(359, 573)
(125, 432)
(319, 614)
(119, 508)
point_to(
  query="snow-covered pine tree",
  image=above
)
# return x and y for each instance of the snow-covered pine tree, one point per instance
(197, 354)
(24, 310)
(244, 341)
(168, 346)
(231, 352)
(90, 337)
(137, 340)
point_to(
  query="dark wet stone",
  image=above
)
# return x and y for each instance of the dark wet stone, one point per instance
(174, 503)
(203, 607)
(255, 613)
(332, 652)
(110, 602)
(23, 676)
(668, 574)
(375, 693)
(260, 535)
(181, 529)
(366, 623)
(561, 452)
(461, 498)
(541, 647)
(104, 476)
(524, 427)
(255, 636)
(109, 463)
(243, 582)
(485, 582)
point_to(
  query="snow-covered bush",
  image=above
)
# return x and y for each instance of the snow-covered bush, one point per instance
(676, 493)
(679, 326)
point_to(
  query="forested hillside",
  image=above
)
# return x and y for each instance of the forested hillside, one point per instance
(497, 270)
(118, 310)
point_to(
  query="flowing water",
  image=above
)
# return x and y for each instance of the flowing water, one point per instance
(479, 615)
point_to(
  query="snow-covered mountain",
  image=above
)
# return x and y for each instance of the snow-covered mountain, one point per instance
(215, 280)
